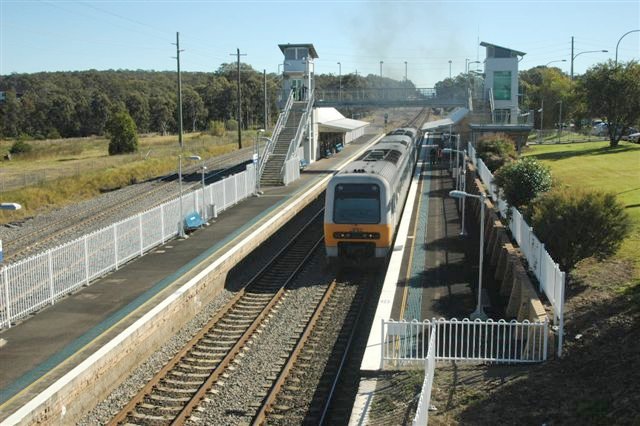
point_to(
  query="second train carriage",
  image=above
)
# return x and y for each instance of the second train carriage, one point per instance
(364, 200)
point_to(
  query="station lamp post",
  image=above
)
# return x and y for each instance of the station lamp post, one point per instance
(181, 232)
(339, 81)
(461, 182)
(581, 53)
(405, 72)
(479, 312)
(469, 63)
(256, 161)
(541, 110)
(449, 68)
(381, 62)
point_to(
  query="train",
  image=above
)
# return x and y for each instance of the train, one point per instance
(364, 200)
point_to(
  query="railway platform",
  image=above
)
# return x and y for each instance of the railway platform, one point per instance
(42, 354)
(432, 269)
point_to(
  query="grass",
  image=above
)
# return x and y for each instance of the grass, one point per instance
(594, 165)
(65, 171)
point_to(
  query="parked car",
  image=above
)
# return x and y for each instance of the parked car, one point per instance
(633, 137)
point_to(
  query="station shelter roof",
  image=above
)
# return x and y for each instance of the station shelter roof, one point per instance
(312, 50)
(451, 120)
(330, 119)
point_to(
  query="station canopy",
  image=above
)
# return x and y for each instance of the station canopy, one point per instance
(330, 120)
(452, 119)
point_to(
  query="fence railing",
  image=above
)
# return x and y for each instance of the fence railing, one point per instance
(550, 278)
(291, 170)
(422, 411)
(30, 284)
(404, 343)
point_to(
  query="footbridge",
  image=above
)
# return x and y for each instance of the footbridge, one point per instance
(388, 97)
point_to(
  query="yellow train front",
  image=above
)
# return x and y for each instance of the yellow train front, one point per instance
(364, 200)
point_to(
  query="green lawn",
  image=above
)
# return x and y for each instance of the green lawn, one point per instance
(593, 165)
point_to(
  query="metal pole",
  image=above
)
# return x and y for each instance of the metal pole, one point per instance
(618, 44)
(405, 71)
(204, 204)
(179, 91)
(572, 58)
(381, 62)
(449, 68)
(264, 76)
(339, 81)
(479, 313)
(560, 123)
(180, 224)
(464, 189)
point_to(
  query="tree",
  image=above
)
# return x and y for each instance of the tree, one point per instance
(612, 92)
(548, 86)
(575, 225)
(521, 181)
(162, 108)
(496, 150)
(122, 134)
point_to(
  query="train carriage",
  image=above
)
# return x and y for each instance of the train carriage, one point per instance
(364, 200)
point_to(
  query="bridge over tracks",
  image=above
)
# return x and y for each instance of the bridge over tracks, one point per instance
(387, 97)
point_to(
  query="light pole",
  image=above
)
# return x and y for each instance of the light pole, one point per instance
(449, 68)
(541, 110)
(256, 161)
(405, 71)
(339, 81)
(578, 54)
(181, 224)
(560, 121)
(479, 312)
(618, 43)
(467, 65)
(7, 206)
(381, 62)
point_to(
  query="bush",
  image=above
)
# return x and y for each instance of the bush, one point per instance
(216, 128)
(232, 124)
(123, 136)
(577, 225)
(523, 180)
(20, 147)
(496, 150)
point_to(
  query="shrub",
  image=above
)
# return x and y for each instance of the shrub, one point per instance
(216, 128)
(521, 181)
(575, 225)
(20, 147)
(496, 150)
(232, 124)
(123, 136)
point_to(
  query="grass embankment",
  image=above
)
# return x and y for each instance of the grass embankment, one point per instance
(596, 166)
(80, 168)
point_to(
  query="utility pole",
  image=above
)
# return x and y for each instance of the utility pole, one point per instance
(264, 79)
(239, 100)
(572, 57)
(177, 43)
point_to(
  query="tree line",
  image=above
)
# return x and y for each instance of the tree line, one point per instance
(50, 105)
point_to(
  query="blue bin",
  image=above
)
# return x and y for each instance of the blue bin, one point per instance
(193, 221)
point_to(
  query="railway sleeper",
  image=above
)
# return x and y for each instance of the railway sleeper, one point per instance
(176, 390)
(190, 360)
(144, 406)
(188, 374)
(182, 382)
(197, 367)
(165, 399)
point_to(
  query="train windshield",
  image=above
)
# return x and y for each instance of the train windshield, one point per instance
(356, 203)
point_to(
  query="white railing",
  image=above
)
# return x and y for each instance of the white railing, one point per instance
(422, 411)
(291, 170)
(512, 342)
(550, 278)
(41, 280)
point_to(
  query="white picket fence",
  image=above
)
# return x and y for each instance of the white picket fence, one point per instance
(550, 278)
(405, 343)
(30, 284)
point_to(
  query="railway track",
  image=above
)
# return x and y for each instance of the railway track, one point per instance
(172, 395)
(131, 200)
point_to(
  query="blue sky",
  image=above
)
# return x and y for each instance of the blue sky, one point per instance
(54, 35)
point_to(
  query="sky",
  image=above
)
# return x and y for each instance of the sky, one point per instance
(55, 35)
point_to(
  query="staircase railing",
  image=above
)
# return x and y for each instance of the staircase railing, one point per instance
(282, 120)
(492, 105)
(299, 132)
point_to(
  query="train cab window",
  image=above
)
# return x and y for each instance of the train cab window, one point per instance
(356, 203)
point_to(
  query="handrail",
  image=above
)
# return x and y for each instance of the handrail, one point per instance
(282, 120)
(492, 105)
(299, 132)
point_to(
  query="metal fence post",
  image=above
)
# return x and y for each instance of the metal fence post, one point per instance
(51, 289)
(86, 260)
(546, 338)
(115, 246)
(224, 193)
(162, 221)
(235, 185)
(7, 302)
(539, 272)
(140, 233)
(382, 343)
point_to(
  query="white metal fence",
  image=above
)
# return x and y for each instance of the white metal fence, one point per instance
(291, 170)
(550, 278)
(40, 280)
(404, 343)
(422, 411)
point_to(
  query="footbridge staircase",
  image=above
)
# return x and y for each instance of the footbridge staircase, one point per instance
(282, 149)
